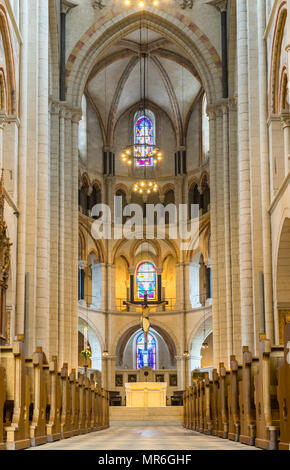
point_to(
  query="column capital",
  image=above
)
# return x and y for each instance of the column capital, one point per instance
(220, 5)
(67, 5)
(285, 119)
(82, 264)
(3, 119)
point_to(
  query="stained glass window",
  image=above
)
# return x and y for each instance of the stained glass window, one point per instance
(144, 133)
(146, 281)
(146, 358)
(205, 128)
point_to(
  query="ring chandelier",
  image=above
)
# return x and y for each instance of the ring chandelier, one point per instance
(145, 187)
(131, 153)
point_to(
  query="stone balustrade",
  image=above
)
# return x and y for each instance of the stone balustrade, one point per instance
(39, 403)
(250, 403)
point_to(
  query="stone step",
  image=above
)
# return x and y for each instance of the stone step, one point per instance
(167, 416)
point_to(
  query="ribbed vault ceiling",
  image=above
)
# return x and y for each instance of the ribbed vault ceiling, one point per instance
(172, 81)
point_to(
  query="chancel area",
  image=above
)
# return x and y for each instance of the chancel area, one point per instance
(145, 221)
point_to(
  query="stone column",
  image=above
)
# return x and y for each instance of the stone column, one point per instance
(227, 203)
(220, 229)
(265, 172)
(61, 242)
(179, 287)
(111, 278)
(31, 223)
(246, 276)
(187, 285)
(76, 117)
(96, 285)
(213, 215)
(132, 284)
(66, 6)
(234, 222)
(180, 372)
(194, 285)
(82, 266)
(54, 223)
(68, 247)
(221, 5)
(43, 229)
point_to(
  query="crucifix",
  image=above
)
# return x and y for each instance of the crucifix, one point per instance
(145, 321)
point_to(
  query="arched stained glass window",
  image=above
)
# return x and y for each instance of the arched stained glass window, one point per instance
(205, 128)
(146, 281)
(146, 358)
(144, 135)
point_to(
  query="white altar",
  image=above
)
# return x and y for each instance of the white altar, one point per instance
(146, 394)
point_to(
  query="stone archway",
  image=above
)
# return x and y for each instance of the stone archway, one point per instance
(283, 279)
(201, 333)
(124, 338)
(98, 37)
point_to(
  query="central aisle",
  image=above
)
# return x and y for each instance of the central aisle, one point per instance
(144, 438)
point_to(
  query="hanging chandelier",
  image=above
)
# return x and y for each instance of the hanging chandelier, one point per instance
(143, 153)
(145, 187)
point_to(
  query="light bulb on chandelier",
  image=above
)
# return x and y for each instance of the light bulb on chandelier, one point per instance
(145, 187)
(141, 153)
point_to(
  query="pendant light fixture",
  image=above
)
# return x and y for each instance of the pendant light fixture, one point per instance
(143, 153)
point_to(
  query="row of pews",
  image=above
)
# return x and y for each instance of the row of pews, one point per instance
(250, 403)
(40, 404)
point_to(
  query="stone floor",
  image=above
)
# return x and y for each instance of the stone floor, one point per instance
(144, 438)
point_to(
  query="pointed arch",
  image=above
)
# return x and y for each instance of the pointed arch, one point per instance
(100, 35)
(11, 91)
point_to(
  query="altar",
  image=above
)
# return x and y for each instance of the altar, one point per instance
(146, 395)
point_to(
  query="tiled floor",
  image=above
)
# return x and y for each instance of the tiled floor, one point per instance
(144, 438)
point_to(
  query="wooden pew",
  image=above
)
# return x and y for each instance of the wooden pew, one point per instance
(185, 407)
(12, 359)
(74, 390)
(195, 407)
(214, 402)
(82, 404)
(100, 415)
(284, 393)
(266, 382)
(208, 405)
(188, 408)
(224, 381)
(246, 398)
(65, 426)
(94, 417)
(2, 403)
(38, 398)
(103, 408)
(233, 400)
(107, 409)
(201, 400)
(191, 408)
(53, 429)
(87, 405)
